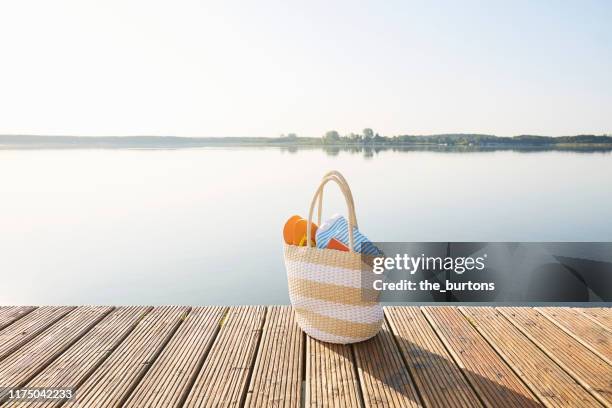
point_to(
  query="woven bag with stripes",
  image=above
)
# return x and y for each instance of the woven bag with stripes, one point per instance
(330, 290)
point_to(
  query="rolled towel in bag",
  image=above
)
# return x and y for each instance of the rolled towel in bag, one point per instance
(337, 228)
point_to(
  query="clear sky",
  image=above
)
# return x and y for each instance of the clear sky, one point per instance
(262, 68)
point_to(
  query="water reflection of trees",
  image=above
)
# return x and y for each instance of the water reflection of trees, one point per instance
(370, 151)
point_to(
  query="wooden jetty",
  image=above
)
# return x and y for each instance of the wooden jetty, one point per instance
(256, 356)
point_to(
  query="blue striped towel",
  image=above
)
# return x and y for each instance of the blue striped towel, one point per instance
(337, 227)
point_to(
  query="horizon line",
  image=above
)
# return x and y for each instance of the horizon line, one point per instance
(296, 135)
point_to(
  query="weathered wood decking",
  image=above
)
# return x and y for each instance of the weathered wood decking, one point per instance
(258, 357)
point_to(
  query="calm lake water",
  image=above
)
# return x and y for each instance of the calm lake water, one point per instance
(203, 226)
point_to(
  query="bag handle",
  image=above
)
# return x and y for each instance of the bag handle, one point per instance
(348, 196)
(342, 180)
(346, 191)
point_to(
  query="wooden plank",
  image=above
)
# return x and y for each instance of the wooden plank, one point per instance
(113, 381)
(385, 380)
(277, 376)
(330, 375)
(76, 364)
(9, 314)
(438, 379)
(18, 368)
(26, 328)
(490, 376)
(580, 327)
(223, 379)
(424, 357)
(589, 370)
(600, 315)
(170, 378)
(552, 385)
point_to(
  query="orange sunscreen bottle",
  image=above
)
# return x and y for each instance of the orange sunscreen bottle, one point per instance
(335, 244)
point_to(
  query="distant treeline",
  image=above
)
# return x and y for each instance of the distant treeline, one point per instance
(367, 138)
(461, 139)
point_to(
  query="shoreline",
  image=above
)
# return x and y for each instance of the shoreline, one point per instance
(578, 148)
(456, 141)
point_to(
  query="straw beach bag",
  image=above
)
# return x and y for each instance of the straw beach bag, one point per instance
(331, 291)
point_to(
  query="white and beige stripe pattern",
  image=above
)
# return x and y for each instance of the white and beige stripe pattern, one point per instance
(332, 303)
(331, 291)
